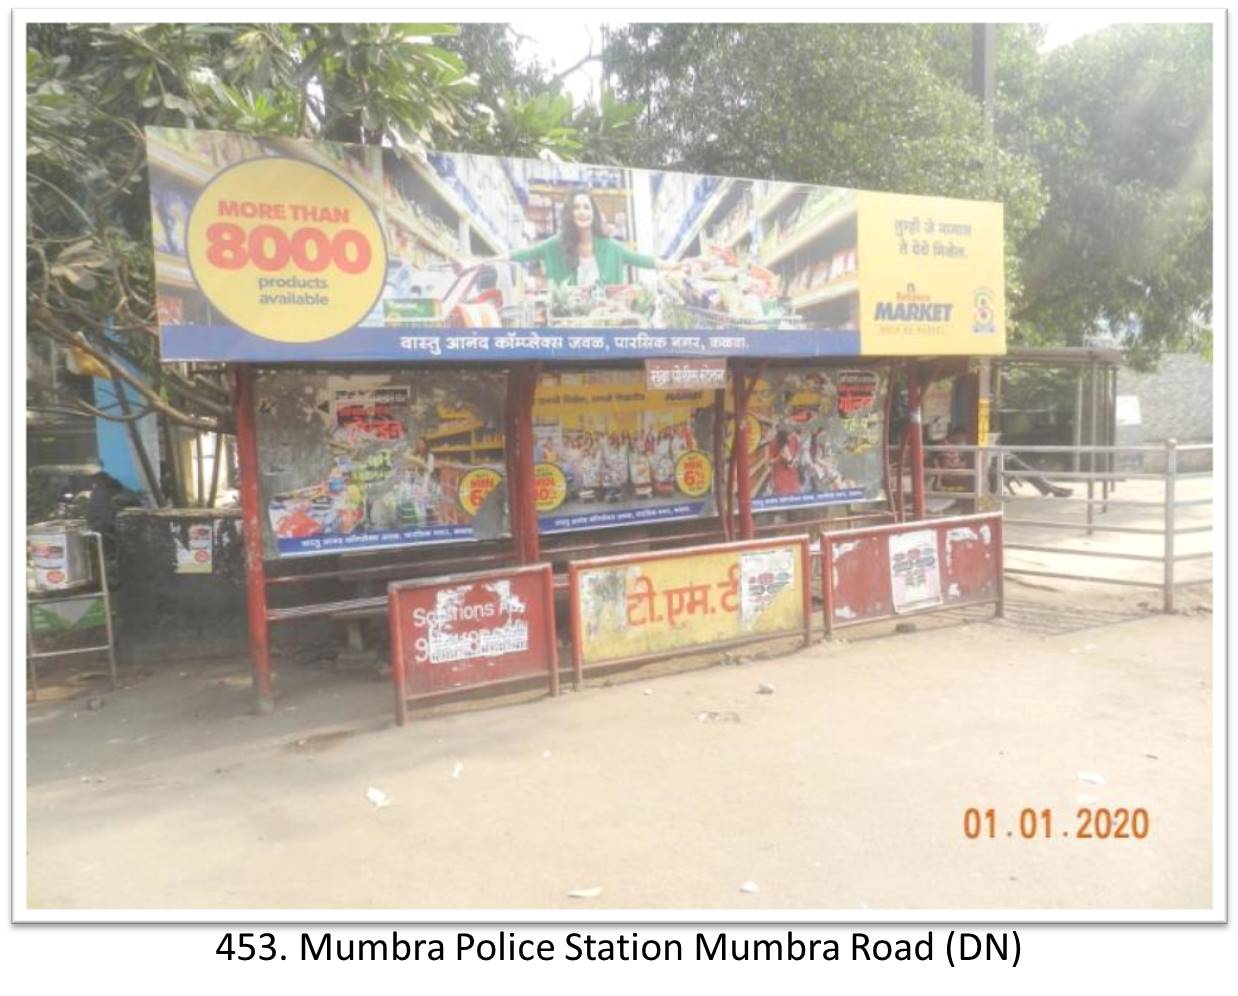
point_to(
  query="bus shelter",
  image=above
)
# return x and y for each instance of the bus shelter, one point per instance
(464, 384)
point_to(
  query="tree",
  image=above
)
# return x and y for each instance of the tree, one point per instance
(91, 89)
(1121, 132)
(873, 106)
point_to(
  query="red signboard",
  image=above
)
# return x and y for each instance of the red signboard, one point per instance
(891, 571)
(468, 630)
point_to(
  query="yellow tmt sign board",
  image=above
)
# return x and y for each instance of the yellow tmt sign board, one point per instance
(931, 280)
(625, 608)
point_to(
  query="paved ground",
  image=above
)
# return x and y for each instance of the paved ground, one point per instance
(844, 789)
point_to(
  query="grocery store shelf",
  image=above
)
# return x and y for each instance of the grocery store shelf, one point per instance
(432, 239)
(771, 205)
(745, 231)
(427, 173)
(830, 292)
(192, 170)
(706, 213)
(173, 270)
(811, 232)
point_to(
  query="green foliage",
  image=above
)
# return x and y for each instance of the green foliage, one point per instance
(874, 106)
(1121, 131)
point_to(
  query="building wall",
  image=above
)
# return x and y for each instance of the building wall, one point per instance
(1175, 402)
(163, 615)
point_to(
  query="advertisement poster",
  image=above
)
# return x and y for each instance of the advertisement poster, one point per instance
(363, 461)
(608, 451)
(915, 574)
(933, 279)
(289, 250)
(816, 437)
(472, 629)
(663, 603)
(194, 549)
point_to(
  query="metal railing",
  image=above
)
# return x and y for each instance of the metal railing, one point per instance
(103, 592)
(975, 488)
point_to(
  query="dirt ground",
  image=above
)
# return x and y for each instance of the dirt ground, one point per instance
(844, 789)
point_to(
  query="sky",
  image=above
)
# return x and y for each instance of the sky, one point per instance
(558, 44)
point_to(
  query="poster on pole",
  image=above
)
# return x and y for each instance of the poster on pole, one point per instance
(286, 250)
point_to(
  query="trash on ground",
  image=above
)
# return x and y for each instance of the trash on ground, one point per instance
(765, 688)
(589, 893)
(905, 627)
(1091, 778)
(546, 754)
(378, 797)
(94, 704)
(457, 770)
(717, 717)
(1153, 757)
(750, 887)
(648, 691)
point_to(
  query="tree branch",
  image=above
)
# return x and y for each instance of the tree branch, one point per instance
(55, 328)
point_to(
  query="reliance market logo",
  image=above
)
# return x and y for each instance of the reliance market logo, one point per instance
(911, 306)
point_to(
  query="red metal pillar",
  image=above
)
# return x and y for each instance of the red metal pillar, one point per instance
(739, 452)
(532, 540)
(915, 428)
(722, 476)
(521, 491)
(251, 520)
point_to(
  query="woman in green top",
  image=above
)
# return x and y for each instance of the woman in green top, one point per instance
(582, 254)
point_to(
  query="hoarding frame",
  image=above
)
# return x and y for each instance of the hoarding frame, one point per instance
(399, 672)
(576, 567)
(941, 527)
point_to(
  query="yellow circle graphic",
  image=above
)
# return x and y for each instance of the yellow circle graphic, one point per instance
(694, 474)
(550, 485)
(286, 250)
(475, 487)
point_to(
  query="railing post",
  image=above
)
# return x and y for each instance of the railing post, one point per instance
(978, 478)
(1171, 473)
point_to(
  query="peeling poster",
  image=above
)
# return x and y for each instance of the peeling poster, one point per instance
(915, 572)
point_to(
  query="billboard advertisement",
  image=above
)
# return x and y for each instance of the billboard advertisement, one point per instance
(816, 436)
(608, 451)
(273, 249)
(631, 607)
(364, 461)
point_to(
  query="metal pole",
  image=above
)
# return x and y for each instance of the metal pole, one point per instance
(978, 459)
(1001, 480)
(31, 666)
(107, 608)
(720, 462)
(251, 532)
(915, 420)
(1078, 427)
(1171, 473)
(1000, 610)
(1092, 442)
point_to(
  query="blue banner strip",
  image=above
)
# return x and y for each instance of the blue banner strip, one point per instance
(800, 501)
(306, 545)
(618, 517)
(227, 343)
